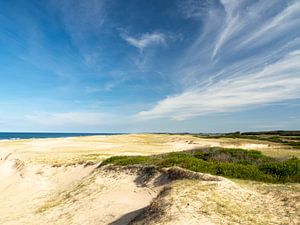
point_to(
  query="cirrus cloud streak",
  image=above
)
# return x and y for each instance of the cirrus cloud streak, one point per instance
(277, 82)
(247, 55)
(146, 40)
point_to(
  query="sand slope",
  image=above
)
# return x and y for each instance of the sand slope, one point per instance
(68, 195)
(223, 202)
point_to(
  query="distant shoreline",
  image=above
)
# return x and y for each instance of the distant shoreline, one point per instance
(34, 135)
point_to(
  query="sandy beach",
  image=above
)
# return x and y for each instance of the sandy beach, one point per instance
(96, 148)
(58, 181)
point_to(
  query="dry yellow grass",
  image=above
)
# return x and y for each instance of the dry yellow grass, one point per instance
(225, 202)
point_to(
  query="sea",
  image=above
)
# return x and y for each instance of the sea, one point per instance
(29, 135)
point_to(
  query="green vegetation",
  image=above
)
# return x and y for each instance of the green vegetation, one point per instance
(232, 163)
(290, 138)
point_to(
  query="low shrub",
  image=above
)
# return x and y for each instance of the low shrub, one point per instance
(233, 163)
(286, 171)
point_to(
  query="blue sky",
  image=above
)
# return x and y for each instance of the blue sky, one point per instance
(149, 66)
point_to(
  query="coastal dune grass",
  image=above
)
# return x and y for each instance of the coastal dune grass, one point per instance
(231, 163)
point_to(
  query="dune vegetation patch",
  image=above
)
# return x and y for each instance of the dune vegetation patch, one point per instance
(232, 163)
(289, 138)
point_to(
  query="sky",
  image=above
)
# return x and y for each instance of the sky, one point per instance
(149, 66)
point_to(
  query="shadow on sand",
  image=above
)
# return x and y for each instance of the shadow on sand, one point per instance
(128, 217)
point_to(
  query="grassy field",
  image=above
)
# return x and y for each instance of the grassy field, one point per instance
(232, 163)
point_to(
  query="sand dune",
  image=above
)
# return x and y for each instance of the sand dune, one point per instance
(59, 181)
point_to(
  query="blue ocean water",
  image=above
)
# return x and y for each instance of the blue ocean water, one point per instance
(25, 135)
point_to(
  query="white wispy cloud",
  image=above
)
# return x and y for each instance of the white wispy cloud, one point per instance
(276, 82)
(83, 22)
(240, 59)
(81, 19)
(282, 22)
(193, 8)
(146, 40)
(230, 26)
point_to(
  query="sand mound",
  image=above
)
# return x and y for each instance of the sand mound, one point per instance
(222, 201)
(91, 194)
(78, 194)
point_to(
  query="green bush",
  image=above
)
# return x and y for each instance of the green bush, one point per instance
(239, 156)
(233, 163)
(287, 171)
(246, 172)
